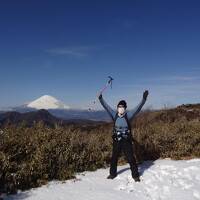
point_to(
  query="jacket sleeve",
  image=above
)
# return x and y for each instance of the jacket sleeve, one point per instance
(109, 110)
(132, 113)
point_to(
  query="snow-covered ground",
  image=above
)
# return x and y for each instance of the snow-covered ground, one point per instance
(160, 180)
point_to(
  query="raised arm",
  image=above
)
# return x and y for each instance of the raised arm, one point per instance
(132, 113)
(109, 110)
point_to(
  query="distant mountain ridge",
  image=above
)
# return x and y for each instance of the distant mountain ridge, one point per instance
(50, 117)
(69, 114)
(29, 118)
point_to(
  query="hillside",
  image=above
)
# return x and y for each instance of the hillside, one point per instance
(29, 118)
(189, 112)
(32, 156)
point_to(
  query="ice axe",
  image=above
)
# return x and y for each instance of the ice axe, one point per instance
(109, 83)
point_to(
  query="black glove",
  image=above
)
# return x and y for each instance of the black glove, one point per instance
(100, 96)
(145, 94)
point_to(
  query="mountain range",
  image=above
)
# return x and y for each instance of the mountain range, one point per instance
(32, 117)
(52, 111)
(29, 118)
(60, 110)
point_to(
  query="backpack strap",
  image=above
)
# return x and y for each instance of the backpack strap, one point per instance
(127, 121)
(115, 119)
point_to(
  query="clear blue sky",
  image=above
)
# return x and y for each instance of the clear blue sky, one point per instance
(67, 49)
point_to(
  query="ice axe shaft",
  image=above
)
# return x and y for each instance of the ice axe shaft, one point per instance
(103, 89)
(109, 82)
(106, 86)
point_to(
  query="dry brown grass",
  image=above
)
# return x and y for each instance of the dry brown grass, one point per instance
(163, 137)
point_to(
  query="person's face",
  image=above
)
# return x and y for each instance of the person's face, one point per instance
(121, 109)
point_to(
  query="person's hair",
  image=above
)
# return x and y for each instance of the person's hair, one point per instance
(122, 103)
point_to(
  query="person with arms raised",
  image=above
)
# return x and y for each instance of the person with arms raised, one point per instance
(122, 136)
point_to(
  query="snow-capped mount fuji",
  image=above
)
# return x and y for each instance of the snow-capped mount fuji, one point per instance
(58, 109)
(47, 102)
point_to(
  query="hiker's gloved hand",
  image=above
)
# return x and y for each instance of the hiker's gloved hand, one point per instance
(100, 96)
(145, 94)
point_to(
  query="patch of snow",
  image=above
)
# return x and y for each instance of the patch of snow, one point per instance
(47, 102)
(160, 180)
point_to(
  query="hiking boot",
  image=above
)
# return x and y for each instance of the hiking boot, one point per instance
(111, 176)
(137, 179)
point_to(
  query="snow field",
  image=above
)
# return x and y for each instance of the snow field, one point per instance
(160, 180)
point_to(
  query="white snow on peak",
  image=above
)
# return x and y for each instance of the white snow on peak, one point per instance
(160, 180)
(47, 102)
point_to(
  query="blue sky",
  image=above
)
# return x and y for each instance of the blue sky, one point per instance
(68, 48)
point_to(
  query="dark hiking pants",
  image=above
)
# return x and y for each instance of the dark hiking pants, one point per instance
(124, 145)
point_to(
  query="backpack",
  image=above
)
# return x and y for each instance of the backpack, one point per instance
(128, 123)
